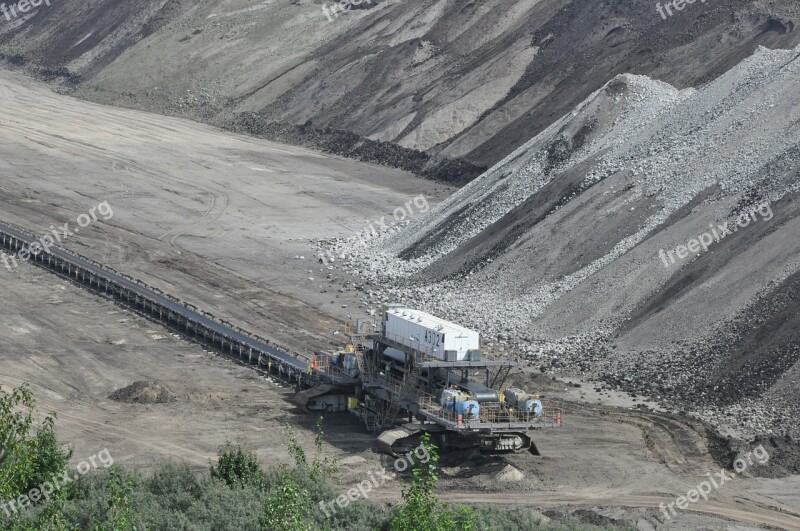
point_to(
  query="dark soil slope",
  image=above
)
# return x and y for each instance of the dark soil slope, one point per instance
(453, 79)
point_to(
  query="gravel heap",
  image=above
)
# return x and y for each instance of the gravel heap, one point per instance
(143, 393)
(553, 254)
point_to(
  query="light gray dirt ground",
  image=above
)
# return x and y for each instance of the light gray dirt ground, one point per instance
(228, 245)
(194, 208)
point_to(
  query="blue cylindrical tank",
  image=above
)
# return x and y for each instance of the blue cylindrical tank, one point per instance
(534, 407)
(469, 409)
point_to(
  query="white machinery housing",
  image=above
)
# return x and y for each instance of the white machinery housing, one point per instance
(440, 339)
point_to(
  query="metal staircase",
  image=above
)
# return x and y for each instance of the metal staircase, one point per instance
(365, 366)
(400, 391)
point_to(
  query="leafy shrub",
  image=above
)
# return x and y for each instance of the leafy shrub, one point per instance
(422, 509)
(238, 466)
(28, 457)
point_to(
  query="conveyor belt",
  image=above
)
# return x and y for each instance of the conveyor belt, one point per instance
(78, 267)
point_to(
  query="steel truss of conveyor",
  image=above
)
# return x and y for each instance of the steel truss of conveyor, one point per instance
(164, 309)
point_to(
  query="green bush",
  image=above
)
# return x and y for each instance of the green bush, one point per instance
(28, 457)
(238, 467)
(422, 509)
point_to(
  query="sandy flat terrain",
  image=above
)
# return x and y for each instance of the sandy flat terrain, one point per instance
(194, 208)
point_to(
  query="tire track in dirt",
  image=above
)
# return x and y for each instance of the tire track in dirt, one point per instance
(728, 509)
(68, 419)
(196, 458)
(679, 444)
(219, 202)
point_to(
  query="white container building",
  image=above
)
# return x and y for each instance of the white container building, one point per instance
(424, 332)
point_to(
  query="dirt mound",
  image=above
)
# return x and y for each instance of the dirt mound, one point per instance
(767, 456)
(143, 393)
(510, 475)
(783, 452)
